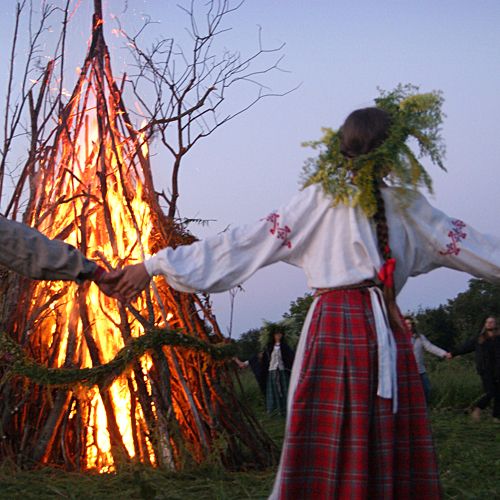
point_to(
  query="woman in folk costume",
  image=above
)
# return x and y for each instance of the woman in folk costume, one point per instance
(357, 422)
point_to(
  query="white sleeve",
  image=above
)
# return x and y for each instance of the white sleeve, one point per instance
(430, 347)
(224, 261)
(450, 242)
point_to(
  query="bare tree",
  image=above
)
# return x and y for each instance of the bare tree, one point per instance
(28, 111)
(189, 86)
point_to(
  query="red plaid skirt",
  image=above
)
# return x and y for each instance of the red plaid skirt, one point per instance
(342, 440)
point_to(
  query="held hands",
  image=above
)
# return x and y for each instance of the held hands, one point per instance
(122, 284)
(129, 281)
(241, 364)
(104, 280)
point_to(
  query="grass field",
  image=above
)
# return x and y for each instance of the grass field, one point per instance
(468, 453)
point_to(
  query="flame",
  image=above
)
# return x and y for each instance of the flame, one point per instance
(78, 180)
(92, 187)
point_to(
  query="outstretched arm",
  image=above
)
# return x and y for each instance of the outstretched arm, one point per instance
(26, 251)
(129, 281)
(224, 261)
(434, 349)
(467, 347)
(445, 241)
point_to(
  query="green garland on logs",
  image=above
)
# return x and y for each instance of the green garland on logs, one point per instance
(17, 363)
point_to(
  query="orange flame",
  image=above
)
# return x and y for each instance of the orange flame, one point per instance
(78, 192)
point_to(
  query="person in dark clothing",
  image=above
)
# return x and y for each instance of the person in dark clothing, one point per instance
(272, 368)
(255, 363)
(277, 362)
(486, 347)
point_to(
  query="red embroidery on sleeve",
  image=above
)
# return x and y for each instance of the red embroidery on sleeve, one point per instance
(456, 235)
(281, 232)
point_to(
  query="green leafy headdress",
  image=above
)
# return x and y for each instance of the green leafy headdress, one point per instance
(413, 115)
(269, 328)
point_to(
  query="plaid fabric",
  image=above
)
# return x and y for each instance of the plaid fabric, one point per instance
(342, 440)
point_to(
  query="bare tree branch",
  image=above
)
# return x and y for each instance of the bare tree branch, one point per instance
(187, 88)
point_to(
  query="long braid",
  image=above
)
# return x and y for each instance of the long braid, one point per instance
(382, 231)
(364, 130)
(381, 226)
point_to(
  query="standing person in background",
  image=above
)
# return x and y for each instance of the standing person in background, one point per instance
(30, 253)
(486, 347)
(419, 343)
(277, 362)
(272, 367)
(357, 423)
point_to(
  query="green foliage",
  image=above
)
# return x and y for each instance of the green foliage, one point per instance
(20, 364)
(454, 384)
(297, 313)
(470, 308)
(248, 344)
(438, 326)
(352, 180)
(462, 317)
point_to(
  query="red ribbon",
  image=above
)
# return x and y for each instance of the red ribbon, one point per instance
(386, 273)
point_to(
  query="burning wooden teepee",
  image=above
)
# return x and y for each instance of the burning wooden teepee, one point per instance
(93, 188)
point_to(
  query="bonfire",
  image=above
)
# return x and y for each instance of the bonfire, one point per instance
(92, 186)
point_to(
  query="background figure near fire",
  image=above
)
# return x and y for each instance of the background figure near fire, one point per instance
(272, 367)
(419, 343)
(26, 251)
(486, 347)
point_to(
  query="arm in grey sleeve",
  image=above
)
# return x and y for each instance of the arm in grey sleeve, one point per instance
(430, 347)
(30, 253)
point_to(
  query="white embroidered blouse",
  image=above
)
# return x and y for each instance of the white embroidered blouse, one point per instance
(335, 246)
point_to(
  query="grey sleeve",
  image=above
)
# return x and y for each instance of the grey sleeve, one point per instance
(430, 347)
(30, 253)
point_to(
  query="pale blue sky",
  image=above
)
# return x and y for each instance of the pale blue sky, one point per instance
(340, 52)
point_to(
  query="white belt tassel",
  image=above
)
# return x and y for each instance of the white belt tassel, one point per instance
(387, 352)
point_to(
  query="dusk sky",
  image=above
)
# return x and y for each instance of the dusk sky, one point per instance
(339, 52)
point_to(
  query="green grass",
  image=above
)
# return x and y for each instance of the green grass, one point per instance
(136, 483)
(455, 383)
(468, 453)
